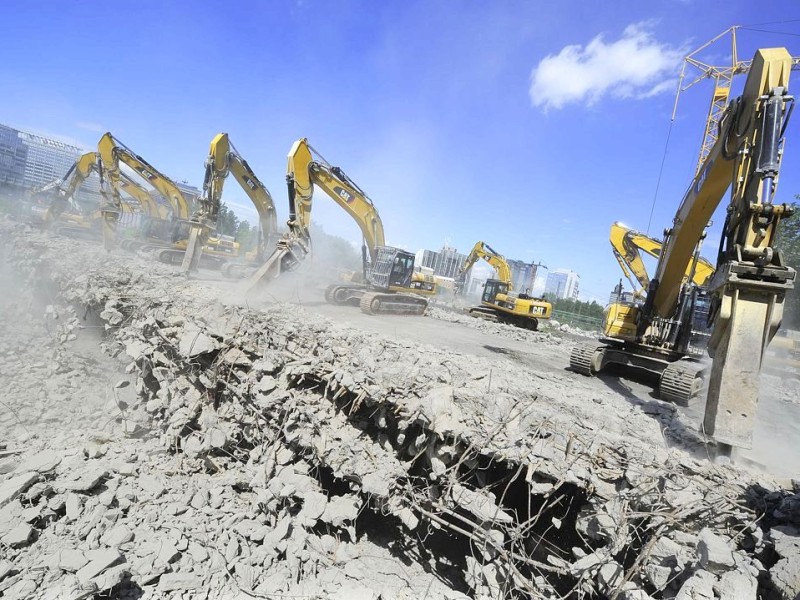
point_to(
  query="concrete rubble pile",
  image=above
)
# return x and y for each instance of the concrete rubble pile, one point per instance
(545, 335)
(273, 452)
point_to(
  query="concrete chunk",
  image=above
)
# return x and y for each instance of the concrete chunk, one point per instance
(87, 481)
(101, 560)
(42, 462)
(195, 342)
(74, 506)
(714, 553)
(170, 582)
(12, 488)
(71, 559)
(116, 536)
(20, 536)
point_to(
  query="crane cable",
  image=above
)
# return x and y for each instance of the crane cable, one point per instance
(660, 174)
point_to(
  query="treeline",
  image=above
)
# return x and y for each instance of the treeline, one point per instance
(330, 249)
(567, 305)
(788, 243)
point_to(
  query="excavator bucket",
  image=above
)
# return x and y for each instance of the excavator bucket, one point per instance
(194, 248)
(110, 214)
(749, 317)
(290, 252)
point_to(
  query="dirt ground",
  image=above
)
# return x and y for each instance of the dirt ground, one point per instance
(162, 437)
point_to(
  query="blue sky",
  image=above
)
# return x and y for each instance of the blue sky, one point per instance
(510, 122)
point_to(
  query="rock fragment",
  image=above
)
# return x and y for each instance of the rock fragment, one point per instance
(714, 553)
(19, 536)
(100, 560)
(13, 487)
(171, 582)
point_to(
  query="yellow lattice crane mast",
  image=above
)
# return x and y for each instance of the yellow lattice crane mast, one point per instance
(722, 76)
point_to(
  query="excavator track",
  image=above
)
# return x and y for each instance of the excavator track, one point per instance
(582, 357)
(341, 295)
(234, 270)
(376, 303)
(495, 316)
(680, 381)
(486, 314)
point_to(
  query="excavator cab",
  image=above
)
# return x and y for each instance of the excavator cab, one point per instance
(492, 288)
(393, 268)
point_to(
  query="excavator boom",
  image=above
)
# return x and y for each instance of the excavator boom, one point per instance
(487, 253)
(307, 168)
(627, 246)
(112, 152)
(224, 159)
(391, 283)
(69, 184)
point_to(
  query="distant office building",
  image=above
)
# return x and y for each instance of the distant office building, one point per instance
(562, 283)
(190, 192)
(447, 262)
(524, 275)
(29, 160)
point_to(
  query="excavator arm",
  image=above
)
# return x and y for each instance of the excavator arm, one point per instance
(487, 253)
(149, 205)
(750, 282)
(112, 152)
(69, 184)
(627, 246)
(306, 168)
(224, 159)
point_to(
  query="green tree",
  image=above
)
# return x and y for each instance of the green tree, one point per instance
(788, 242)
(247, 236)
(227, 221)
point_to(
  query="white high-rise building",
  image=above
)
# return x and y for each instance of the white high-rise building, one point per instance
(562, 283)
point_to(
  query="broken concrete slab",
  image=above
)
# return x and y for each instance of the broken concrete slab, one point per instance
(19, 536)
(43, 462)
(71, 560)
(714, 552)
(11, 488)
(171, 582)
(100, 560)
(194, 342)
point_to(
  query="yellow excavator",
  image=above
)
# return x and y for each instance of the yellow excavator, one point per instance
(626, 245)
(64, 216)
(747, 291)
(67, 187)
(223, 160)
(391, 284)
(188, 232)
(155, 220)
(498, 302)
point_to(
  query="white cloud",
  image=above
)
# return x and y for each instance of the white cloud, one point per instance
(634, 65)
(89, 126)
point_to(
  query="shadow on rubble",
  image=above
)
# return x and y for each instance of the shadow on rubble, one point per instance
(125, 590)
(778, 520)
(680, 425)
(441, 555)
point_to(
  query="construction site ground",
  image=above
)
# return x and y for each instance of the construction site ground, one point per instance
(170, 437)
